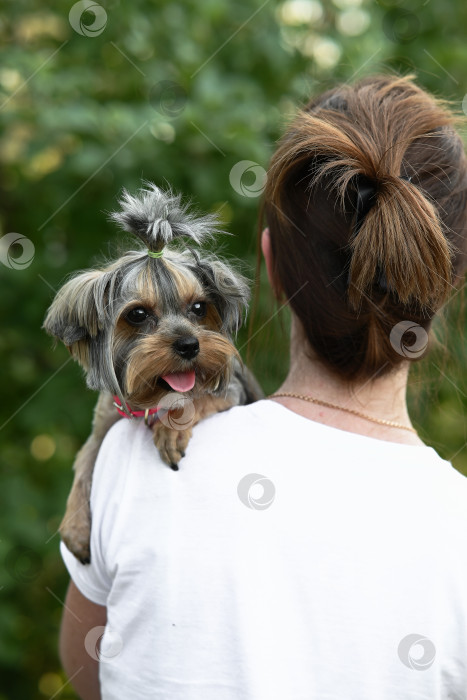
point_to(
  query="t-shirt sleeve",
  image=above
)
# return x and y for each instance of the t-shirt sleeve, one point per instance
(94, 580)
(90, 579)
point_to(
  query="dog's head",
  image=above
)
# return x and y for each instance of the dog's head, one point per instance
(160, 318)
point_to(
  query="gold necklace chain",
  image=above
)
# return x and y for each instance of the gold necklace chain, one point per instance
(328, 404)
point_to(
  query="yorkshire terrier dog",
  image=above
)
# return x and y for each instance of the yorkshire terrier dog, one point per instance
(152, 329)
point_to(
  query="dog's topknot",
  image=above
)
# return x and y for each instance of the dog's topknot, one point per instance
(159, 216)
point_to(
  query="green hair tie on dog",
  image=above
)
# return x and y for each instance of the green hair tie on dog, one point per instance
(157, 254)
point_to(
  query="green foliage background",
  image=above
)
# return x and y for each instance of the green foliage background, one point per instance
(82, 116)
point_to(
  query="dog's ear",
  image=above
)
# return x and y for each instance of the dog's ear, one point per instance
(229, 291)
(76, 313)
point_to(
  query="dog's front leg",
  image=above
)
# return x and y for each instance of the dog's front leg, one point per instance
(172, 432)
(75, 528)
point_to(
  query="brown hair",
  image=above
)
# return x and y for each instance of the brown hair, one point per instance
(350, 285)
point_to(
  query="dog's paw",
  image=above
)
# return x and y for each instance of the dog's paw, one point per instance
(77, 539)
(171, 443)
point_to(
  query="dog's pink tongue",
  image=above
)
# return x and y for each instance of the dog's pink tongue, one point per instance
(180, 381)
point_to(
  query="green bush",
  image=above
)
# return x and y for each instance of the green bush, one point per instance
(175, 91)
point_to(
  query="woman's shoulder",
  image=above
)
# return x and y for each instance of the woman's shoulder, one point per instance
(130, 440)
(121, 438)
(269, 428)
(125, 433)
(236, 425)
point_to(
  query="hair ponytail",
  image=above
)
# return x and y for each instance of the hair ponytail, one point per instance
(402, 235)
(399, 258)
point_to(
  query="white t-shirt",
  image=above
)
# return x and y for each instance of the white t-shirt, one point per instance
(286, 560)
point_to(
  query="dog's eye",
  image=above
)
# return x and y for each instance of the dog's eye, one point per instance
(137, 316)
(199, 309)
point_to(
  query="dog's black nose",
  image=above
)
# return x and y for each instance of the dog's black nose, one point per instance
(187, 347)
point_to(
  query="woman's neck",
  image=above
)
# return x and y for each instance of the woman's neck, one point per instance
(383, 397)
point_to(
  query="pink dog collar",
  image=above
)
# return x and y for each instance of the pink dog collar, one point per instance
(135, 414)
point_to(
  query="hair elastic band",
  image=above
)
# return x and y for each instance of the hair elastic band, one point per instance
(155, 254)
